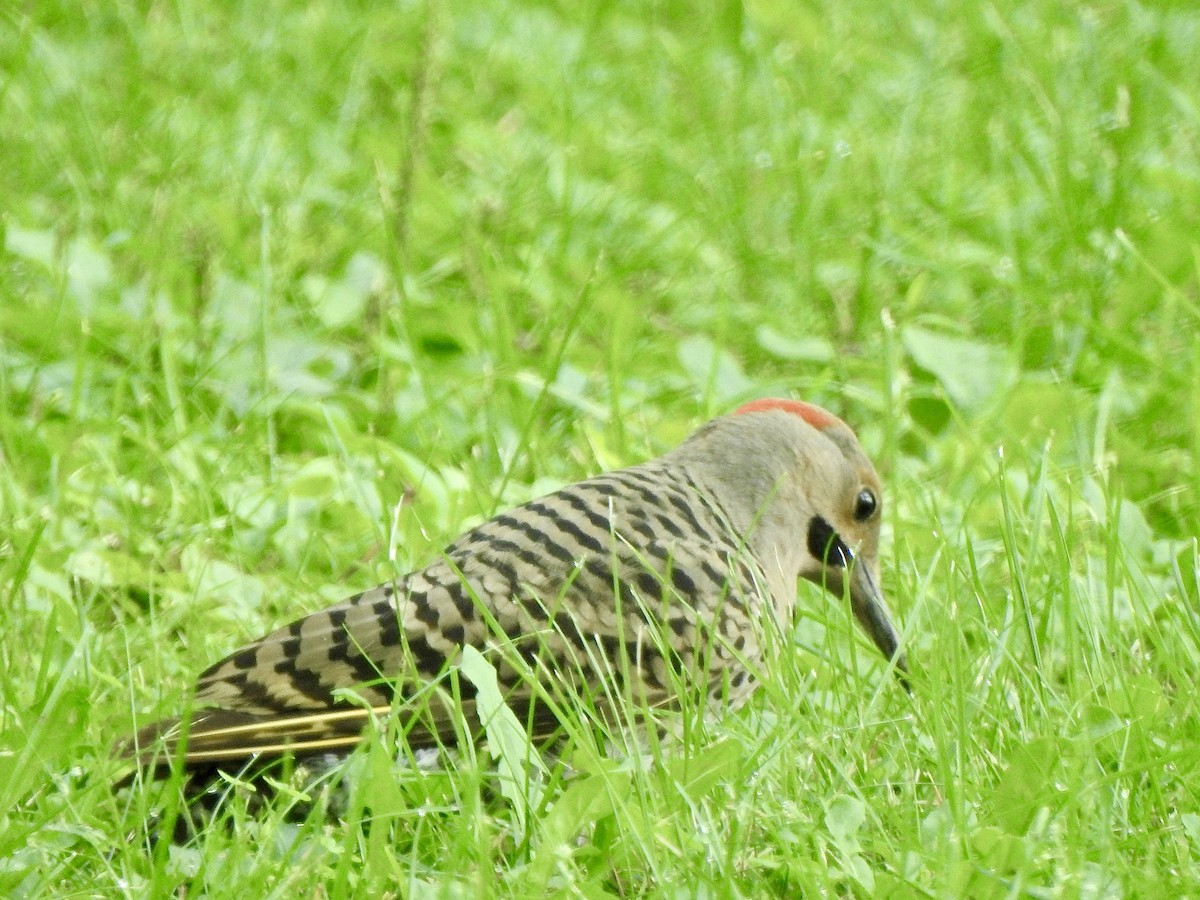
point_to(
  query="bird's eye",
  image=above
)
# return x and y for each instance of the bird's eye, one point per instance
(865, 505)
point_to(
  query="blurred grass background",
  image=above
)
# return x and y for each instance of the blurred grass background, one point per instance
(292, 293)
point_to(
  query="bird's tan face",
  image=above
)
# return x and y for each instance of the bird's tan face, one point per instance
(843, 499)
(795, 479)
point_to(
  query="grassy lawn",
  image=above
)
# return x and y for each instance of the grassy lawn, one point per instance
(291, 293)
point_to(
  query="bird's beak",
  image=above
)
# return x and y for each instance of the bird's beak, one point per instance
(872, 613)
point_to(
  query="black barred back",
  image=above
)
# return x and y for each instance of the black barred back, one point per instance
(632, 574)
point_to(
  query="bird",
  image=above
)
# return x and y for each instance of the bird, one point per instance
(667, 573)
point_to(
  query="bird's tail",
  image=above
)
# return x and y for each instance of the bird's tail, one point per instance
(223, 738)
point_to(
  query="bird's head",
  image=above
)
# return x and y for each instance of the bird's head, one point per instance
(793, 478)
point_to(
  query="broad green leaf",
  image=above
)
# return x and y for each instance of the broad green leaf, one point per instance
(1027, 785)
(714, 372)
(317, 479)
(89, 271)
(521, 771)
(1191, 827)
(698, 773)
(971, 373)
(794, 348)
(1000, 852)
(33, 244)
(109, 568)
(582, 804)
(844, 816)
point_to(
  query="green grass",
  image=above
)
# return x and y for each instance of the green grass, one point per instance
(292, 293)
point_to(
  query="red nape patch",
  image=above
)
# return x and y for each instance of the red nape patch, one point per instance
(813, 415)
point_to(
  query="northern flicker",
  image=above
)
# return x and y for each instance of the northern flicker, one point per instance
(670, 566)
